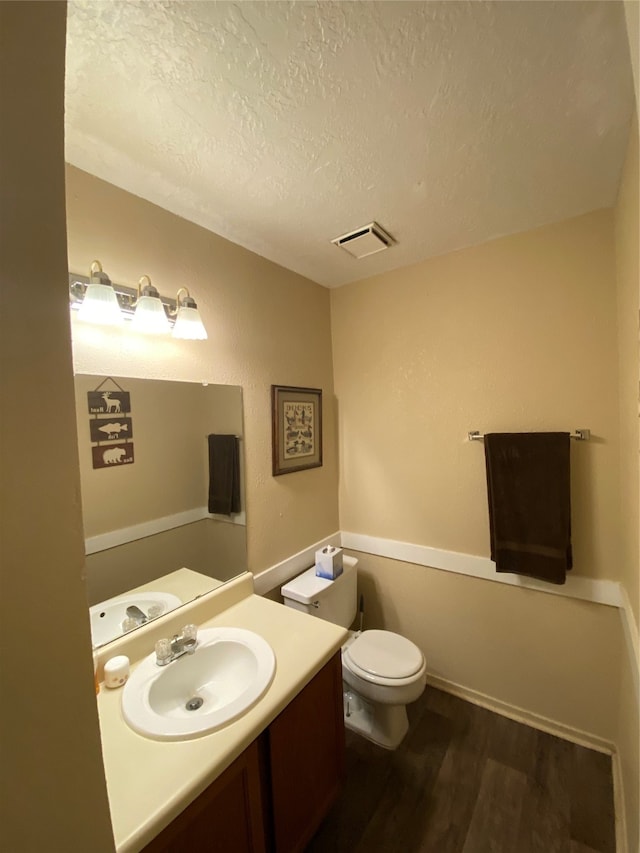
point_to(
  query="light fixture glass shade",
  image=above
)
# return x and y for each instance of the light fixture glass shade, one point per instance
(150, 317)
(100, 305)
(189, 325)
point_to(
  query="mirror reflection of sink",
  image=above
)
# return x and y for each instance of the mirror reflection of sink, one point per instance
(196, 694)
(107, 616)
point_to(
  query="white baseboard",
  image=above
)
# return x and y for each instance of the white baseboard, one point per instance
(521, 715)
(619, 805)
(630, 630)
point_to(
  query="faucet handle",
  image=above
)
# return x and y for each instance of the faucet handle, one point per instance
(190, 638)
(163, 652)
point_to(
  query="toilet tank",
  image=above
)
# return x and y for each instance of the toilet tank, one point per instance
(335, 601)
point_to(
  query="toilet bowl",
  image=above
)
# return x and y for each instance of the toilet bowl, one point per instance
(381, 671)
(387, 671)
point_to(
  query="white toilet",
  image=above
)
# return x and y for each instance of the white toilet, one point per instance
(381, 671)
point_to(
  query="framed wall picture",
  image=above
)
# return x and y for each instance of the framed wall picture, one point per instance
(296, 415)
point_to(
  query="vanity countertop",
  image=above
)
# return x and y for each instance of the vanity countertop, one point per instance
(184, 583)
(150, 782)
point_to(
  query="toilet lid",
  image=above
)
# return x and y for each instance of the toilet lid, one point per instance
(385, 654)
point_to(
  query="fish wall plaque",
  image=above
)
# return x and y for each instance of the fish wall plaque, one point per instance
(111, 429)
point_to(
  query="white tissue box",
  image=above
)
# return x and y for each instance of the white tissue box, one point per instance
(329, 562)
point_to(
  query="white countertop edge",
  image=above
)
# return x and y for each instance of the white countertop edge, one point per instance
(150, 782)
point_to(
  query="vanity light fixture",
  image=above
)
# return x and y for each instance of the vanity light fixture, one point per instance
(100, 303)
(149, 316)
(188, 325)
(98, 300)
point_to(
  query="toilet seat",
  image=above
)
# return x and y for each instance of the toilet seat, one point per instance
(383, 657)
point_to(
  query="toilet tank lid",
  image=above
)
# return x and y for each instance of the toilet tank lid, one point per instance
(306, 587)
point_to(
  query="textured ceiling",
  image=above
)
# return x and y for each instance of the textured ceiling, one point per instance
(283, 125)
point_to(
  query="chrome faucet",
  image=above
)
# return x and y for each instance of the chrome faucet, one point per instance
(180, 644)
(139, 616)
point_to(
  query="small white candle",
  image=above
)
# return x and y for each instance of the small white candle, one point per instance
(116, 671)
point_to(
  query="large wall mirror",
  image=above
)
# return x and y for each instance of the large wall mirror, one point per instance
(151, 542)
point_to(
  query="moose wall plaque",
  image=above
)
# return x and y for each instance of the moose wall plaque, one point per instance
(108, 402)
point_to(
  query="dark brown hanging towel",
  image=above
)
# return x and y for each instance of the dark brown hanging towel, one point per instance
(530, 503)
(224, 474)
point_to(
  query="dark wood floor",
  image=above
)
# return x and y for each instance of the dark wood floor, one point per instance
(466, 780)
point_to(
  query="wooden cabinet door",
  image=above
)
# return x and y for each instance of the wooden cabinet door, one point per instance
(226, 818)
(307, 759)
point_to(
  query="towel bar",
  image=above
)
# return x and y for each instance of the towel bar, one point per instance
(578, 435)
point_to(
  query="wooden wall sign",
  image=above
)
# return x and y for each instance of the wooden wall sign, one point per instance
(110, 423)
(111, 429)
(112, 455)
(108, 402)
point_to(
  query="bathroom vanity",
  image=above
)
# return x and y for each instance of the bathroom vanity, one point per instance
(276, 793)
(261, 783)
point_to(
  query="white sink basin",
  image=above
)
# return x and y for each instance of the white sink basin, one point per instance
(108, 616)
(192, 696)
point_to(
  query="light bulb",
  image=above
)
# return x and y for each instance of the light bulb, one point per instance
(189, 325)
(150, 317)
(100, 305)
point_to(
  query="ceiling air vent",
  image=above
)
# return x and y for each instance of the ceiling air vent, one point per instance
(365, 241)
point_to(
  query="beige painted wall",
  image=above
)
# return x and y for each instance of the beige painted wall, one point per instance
(516, 334)
(632, 19)
(627, 243)
(266, 326)
(627, 231)
(54, 793)
(627, 250)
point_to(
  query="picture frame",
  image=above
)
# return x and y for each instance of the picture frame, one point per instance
(296, 429)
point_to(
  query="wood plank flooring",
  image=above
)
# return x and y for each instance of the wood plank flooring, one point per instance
(466, 780)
